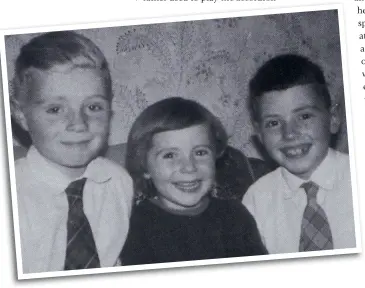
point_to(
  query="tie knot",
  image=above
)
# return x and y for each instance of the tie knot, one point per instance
(311, 189)
(76, 188)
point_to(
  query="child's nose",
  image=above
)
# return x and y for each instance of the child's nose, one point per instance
(290, 130)
(77, 121)
(188, 165)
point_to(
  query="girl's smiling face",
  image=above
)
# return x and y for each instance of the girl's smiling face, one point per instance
(181, 164)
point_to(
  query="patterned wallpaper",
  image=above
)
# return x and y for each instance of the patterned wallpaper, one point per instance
(210, 61)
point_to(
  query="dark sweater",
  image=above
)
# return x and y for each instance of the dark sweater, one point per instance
(224, 229)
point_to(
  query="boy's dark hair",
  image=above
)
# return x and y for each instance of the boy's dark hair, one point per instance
(169, 114)
(283, 72)
(46, 51)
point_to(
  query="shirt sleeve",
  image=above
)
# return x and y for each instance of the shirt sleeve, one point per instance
(122, 186)
(128, 192)
(248, 202)
(112, 221)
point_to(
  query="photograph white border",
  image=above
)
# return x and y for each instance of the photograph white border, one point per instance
(268, 11)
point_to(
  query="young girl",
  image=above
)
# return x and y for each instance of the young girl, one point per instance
(171, 153)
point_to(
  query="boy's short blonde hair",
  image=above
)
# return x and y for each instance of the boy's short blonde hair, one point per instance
(46, 51)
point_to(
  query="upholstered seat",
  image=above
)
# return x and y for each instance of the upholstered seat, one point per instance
(235, 171)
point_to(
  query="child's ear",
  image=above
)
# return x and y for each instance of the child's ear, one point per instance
(18, 113)
(257, 131)
(111, 114)
(335, 120)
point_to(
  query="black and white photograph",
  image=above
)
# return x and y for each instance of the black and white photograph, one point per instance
(175, 144)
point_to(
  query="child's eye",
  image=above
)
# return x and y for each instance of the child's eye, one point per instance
(305, 116)
(168, 155)
(271, 123)
(202, 152)
(53, 110)
(95, 107)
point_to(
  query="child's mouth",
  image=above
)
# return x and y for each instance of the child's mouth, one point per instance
(188, 186)
(77, 142)
(296, 151)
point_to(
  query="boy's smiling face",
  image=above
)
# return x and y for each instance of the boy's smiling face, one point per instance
(67, 114)
(295, 127)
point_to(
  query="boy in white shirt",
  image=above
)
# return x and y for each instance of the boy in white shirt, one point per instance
(294, 117)
(63, 96)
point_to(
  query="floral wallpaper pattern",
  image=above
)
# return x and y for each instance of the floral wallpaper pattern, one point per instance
(210, 61)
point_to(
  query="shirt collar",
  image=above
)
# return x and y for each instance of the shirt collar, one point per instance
(48, 172)
(323, 176)
(98, 171)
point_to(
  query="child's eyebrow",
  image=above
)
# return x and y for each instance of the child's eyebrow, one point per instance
(98, 96)
(314, 107)
(42, 101)
(45, 99)
(209, 146)
(162, 150)
(167, 149)
(63, 98)
(270, 116)
(299, 109)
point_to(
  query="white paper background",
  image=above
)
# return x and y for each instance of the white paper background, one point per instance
(336, 271)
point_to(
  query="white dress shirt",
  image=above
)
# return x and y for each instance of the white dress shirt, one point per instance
(277, 202)
(43, 210)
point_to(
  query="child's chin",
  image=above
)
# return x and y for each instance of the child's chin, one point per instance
(76, 163)
(190, 204)
(299, 164)
(302, 172)
(193, 203)
(78, 159)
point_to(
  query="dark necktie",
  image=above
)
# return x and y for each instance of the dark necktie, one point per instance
(81, 252)
(316, 233)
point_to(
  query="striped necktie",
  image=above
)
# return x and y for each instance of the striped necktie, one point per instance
(315, 231)
(81, 252)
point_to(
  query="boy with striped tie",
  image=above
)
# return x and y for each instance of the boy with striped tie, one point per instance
(74, 206)
(305, 204)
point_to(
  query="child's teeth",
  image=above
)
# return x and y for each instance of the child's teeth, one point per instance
(188, 185)
(295, 151)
